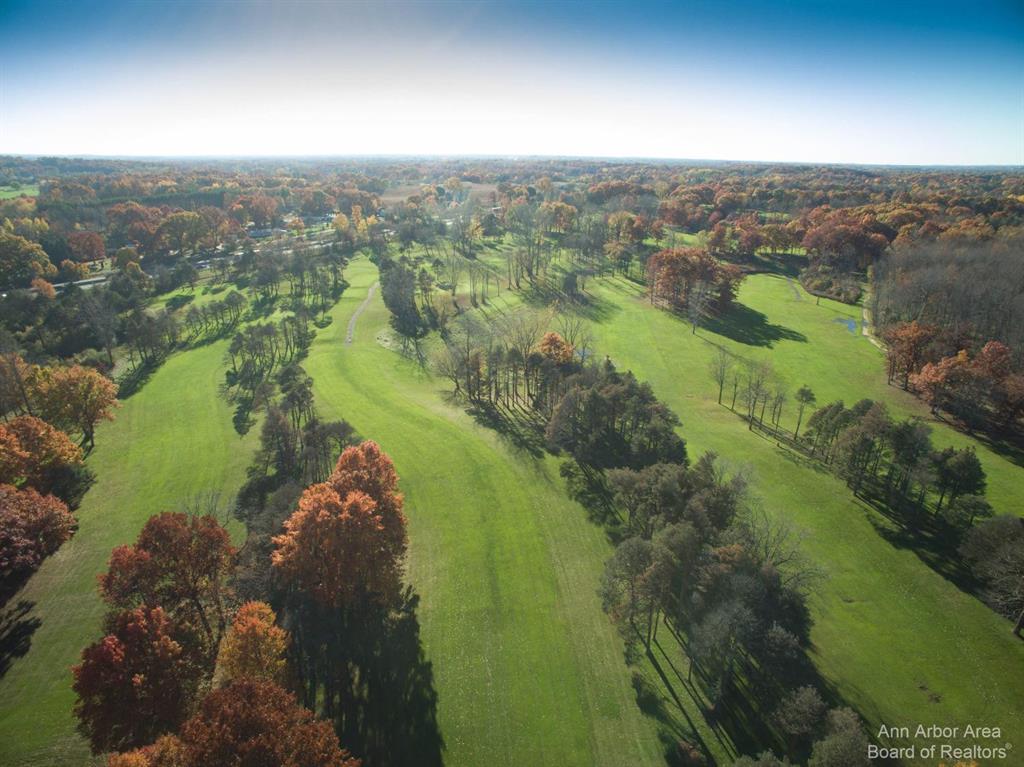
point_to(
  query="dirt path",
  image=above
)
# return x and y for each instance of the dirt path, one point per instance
(866, 327)
(355, 315)
(796, 290)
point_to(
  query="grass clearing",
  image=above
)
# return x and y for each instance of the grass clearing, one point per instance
(19, 190)
(526, 666)
(171, 441)
(898, 641)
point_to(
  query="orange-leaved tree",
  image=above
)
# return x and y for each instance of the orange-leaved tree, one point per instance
(555, 348)
(253, 647)
(346, 542)
(73, 398)
(32, 452)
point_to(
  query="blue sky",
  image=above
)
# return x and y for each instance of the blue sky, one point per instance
(865, 82)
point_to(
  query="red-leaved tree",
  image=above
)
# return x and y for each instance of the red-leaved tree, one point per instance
(32, 526)
(181, 563)
(136, 683)
(250, 722)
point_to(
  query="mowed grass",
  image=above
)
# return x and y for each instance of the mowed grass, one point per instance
(527, 668)
(170, 442)
(898, 641)
(27, 190)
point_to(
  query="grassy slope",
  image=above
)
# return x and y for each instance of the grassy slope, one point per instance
(899, 641)
(527, 668)
(29, 190)
(170, 442)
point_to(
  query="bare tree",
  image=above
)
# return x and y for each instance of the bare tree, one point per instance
(721, 365)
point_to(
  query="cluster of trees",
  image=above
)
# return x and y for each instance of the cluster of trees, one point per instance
(72, 398)
(871, 450)
(261, 349)
(42, 475)
(334, 563)
(984, 390)
(600, 416)
(970, 291)
(398, 288)
(181, 677)
(607, 419)
(511, 362)
(215, 317)
(994, 551)
(731, 585)
(691, 554)
(896, 462)
(694, 279)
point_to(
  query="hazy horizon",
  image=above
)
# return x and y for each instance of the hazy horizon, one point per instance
(864, 84)
(501, 157)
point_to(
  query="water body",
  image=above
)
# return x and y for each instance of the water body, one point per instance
(851, 325)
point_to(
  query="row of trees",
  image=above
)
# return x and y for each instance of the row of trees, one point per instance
(894, 463)
(729, 583)
(984, 390)
(42, 472)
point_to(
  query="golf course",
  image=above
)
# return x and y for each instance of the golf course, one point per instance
(526, 665)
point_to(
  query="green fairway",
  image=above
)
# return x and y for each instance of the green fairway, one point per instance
(527, 668)
(171, 441)
(899, 641)
(28, 190)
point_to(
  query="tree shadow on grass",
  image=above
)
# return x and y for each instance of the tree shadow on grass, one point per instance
(136, 378)
(751, 327)
(906, 525)
(1008, 444)
(740, 718)
(393, 718)
(522, 429)
(545, 293)
(17, 625)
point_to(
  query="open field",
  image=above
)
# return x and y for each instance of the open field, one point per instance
(525, 664)
(890, 633)
(27, 190)
(527, 668)
(169, 443)
(878, 595)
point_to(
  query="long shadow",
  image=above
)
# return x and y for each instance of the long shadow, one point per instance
(523, 430)
(900, 520)
(392, 719)
(785, 264)
(136, 378)
(911, 527)
(17, 625)
(751, 327)
(1010, 445)
(544, 293)
(741, 716)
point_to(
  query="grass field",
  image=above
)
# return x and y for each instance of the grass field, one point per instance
(527, 668)
(170, 442)
(898, 640)
(28, 190)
